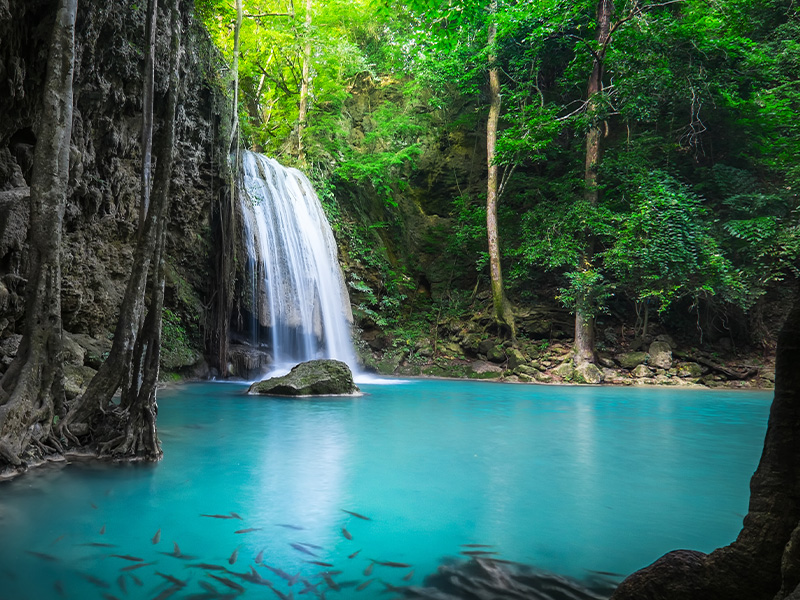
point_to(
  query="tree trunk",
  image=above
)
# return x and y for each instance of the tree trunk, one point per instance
(32, 390)
(584, 349)
(503, 315)
(764, 561)
(305, 84)
(236, 43)
(129, 429)
(148, 84)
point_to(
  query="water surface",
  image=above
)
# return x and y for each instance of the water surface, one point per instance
(574, 480)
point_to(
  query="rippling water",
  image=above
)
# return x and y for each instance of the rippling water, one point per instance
(575, 480)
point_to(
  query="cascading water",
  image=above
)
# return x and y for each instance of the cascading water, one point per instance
(297, 288)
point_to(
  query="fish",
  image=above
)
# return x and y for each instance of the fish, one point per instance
(176, 553)
(93, 505)
(355, 514)
(289, 526)
(393, 588)
(227, 582)
(137, 566)
(167, 593)
(207, 587)
(279, 572)
(259, 557)
(354, 554)
(346, 534)
(122, 585)
(58, 539)
(156, 537)
(59, 588)
(477, 545)
(109, 597)
(477, 552)
(127, 557)
(94, 580)
(309, 587)
(364, 585)
(303, 549)
(172, 580)
(320, 563)
(280, 594)
(235, 516)
(43, 556)
(102, 530)
(220, 516)
(99, 545)
(409, 575)
(389, 563)
(311, 545)
(248, 530)
(233, 557)
(135, 579)
(368, 570)
(606, 573)
(208, 567)
(329, 580)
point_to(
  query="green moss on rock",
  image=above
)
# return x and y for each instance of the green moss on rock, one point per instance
(312, 378)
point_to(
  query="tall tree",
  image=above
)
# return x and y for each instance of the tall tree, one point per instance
(32, 389)
(305, 84)
(503, 314)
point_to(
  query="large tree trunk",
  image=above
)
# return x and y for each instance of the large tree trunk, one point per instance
(584, 349)
(305, 84)
(129, 429)
(148, 85)
(503, 314)
(32, 390)
(764, 561)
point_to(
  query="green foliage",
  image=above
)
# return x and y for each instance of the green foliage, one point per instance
(664, 249)
(176, 342)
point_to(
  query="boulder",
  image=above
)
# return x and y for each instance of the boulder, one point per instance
(496, 354)
(690, 369)
(642, 371)
(481, 367)
(660, 355)
(312, 378)
(565, 370)
(515, 358)
(630, 360)
(588, 373)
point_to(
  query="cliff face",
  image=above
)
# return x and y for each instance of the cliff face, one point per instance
(104, 188)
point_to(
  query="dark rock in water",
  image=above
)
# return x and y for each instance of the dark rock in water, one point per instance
(247, 362)
(312, 378)
(500, 580)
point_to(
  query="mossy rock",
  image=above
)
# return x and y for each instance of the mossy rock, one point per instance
(631, 360)
(312, 378)
(515, 358)
(588, 373)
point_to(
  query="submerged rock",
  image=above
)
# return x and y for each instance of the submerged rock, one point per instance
(312, 378)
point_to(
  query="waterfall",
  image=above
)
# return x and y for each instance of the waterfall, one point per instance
(297, 288)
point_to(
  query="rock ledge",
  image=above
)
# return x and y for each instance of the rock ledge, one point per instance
(312, 378)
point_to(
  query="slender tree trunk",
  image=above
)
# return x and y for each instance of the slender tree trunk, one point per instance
(503, 315)
(236, 44)
(584, 348)
(147, 108)
(305, 84)
(32, 390)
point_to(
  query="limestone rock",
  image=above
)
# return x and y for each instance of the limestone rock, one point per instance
(481, 366)
(76, 379)
(660, 355)
(588, 373)
(642, 371)
(690, 369)
(565, 370)
(630, 360)
(515, 358)
(313, 378)
(496, 354)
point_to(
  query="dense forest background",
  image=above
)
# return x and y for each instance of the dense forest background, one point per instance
(645, 157)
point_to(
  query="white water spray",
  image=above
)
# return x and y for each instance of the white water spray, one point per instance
(297, 285)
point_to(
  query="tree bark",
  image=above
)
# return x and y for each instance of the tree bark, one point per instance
(305, 85)
(584, 347)
(503, 315)
(236, 44)
(764, 561)
(148, 84)
(32, 390)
